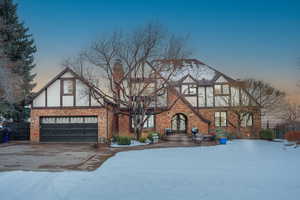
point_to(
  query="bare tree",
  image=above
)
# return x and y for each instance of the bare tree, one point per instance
(266, 95)
(250, 97)
(290, 112)
(125, 70)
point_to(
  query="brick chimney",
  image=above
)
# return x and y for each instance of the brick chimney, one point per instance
(117, 74)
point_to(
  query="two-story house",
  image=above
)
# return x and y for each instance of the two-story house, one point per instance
(198, 96)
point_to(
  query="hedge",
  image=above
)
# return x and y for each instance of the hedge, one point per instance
(292, 136)
(267, 134)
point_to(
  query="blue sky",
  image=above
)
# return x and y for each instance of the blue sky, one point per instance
(243, 39)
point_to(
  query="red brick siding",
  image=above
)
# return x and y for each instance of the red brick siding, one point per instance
(125, 130)
(124, 126)
(248, 132)
(164, 119)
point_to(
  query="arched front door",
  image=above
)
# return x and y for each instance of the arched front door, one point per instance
(179, 123)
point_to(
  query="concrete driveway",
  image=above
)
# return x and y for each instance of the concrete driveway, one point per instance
(61, 157)
(49, 157)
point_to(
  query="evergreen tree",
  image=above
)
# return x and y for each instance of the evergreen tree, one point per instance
(19, 49)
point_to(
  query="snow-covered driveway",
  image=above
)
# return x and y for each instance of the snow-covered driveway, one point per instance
(241, 170)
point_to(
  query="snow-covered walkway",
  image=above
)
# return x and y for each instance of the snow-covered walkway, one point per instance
(241, 170)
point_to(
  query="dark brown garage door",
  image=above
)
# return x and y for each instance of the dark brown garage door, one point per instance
(69, 129)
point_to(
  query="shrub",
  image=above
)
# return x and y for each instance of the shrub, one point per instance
(266, 134)
(123, 140)
(231, 136)
(115, 138)
(142, 139)
(292, 136)
(220, 133)
(150, 135)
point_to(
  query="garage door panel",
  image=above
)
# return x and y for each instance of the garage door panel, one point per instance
(69, 129)
(68, 139)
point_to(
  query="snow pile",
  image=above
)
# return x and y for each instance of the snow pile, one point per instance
(245, 169)
(133, 143)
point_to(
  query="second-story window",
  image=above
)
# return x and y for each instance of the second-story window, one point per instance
(68, 87)
(189, 89)
(221, 89)
(192, 89)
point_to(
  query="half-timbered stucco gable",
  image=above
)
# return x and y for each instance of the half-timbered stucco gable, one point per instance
(67, 89)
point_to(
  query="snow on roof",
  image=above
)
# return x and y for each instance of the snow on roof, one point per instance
(196, 69)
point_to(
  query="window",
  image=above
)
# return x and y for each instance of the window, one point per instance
(201, 97)
(68, 87)
(247, 120)
(225, 89)
(149, 123)
(209, 97)
(63, 120)
(48, 120)
(218, 89)
(90, 120)
(68, 120)
(76, 120)
(190, 89)
(220, 119)
(222, 89)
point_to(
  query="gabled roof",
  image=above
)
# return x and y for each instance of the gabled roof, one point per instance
(199, 71)
(181, 97)
(198, 114)
(67, 69)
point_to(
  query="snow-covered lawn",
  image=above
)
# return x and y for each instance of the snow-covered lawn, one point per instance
(240, 170)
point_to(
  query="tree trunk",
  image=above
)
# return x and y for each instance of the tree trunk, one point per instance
(238, 130)
(137, 132)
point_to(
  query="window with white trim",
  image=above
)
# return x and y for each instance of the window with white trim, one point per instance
(221, 89)
(68, 87)
(247, 120)
(189, 89)
(149, 123)
(220, 119)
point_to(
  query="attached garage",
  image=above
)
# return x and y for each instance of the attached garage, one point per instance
(69, 129)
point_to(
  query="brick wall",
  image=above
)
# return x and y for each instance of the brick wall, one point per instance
(104, 126)
(248, 132)
(124, 126)
(163, 120)
(125, 130)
